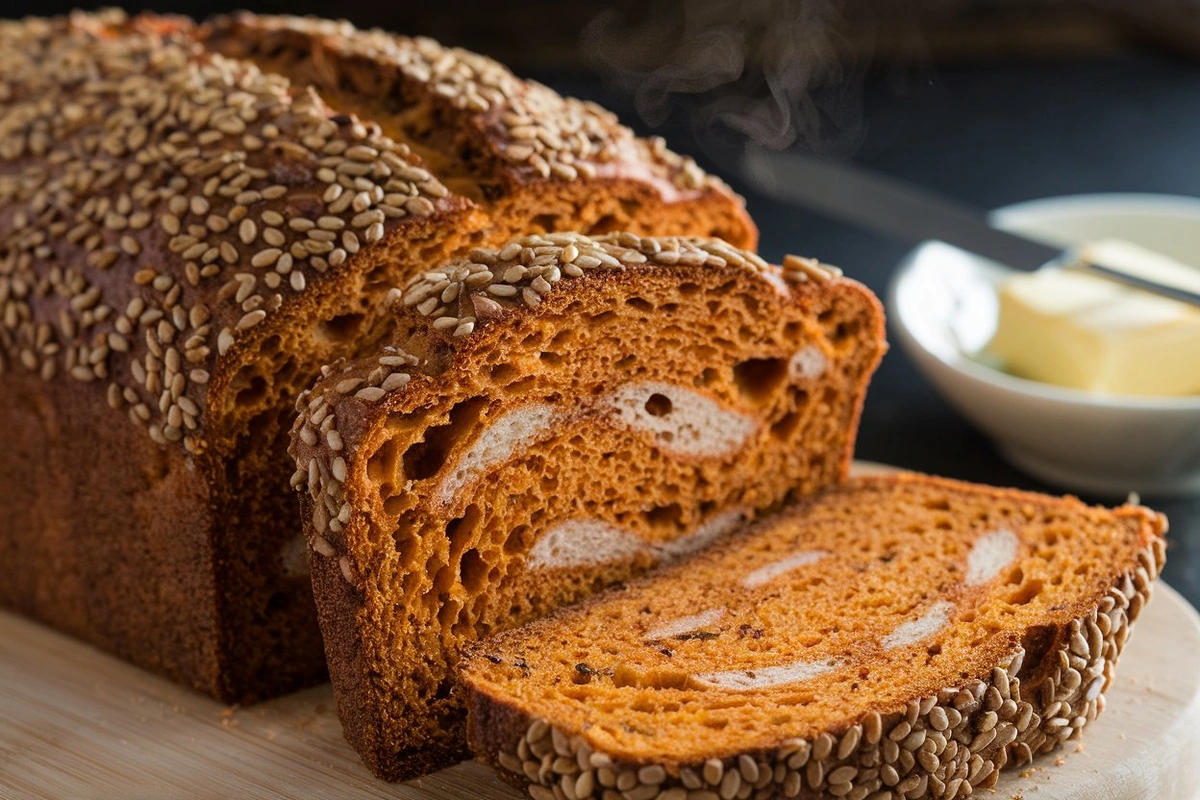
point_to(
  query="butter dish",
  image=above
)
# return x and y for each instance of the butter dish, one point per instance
(944, 306)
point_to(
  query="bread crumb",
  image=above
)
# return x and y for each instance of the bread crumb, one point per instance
(1079, 747)
(1058, 762)
(1026, 773)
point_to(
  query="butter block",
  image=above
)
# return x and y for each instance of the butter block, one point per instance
(1068, 328)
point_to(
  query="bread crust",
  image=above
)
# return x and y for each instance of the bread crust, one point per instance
(1047, 707)
(532, 153)
(184, 240)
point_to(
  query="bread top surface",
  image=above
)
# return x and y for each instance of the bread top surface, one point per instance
(166, 209)
(445, 315)
(521, 129)
(159, 205)
(857, 603)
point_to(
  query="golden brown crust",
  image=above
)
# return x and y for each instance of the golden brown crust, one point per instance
(353, 426)
(516, 147)
(1026, 703)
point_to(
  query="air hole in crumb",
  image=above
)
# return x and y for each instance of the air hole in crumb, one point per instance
(270, 345)
(339, 329)
(605, 224)
(381, 466)
(668, 515)
(707, 378)
(443, 578)
(688, 288)
(1016, 577)
(254, 393)
(459, 529)
(938, 504)
(1026, 593)
(658, 405)
(844, 331)
(474, 571)
(547, 222)
(406, 543)
(750, 302)
(759, 378)
(603, 317)
(502, 373)
(448, 613)
(626, 362)
(550, 357)
(517, 540)
(639, 303)
(786, 426)
(424, 459)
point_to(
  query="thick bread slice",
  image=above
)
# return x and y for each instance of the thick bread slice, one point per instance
(551, 417)
(533, 160)
(900, 637)
(185, 239)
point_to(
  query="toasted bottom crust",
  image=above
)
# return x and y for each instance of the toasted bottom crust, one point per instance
(943, 745)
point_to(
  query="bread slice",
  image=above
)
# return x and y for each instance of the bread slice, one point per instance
(548, 418)
(901, 637)
(534, 161)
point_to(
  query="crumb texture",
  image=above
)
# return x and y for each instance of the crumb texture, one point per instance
(878, 668)
(572, 411)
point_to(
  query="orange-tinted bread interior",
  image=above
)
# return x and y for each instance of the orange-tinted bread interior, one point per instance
(849, 607)
(632, 417)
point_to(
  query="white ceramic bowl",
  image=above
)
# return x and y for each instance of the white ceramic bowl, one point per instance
(942, 308)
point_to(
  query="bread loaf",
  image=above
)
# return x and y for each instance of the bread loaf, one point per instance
(902, 637)
(184, 240)
(546, 418)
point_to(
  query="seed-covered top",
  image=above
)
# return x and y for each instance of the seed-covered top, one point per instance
(157, 201)
(462, 295)
(531, 127)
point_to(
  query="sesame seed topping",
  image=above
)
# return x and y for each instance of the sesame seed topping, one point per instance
(462, 295)
(162, 138)
(534, 130)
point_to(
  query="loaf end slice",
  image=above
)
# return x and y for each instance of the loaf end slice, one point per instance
(548, 418)
(900, 637)
(184, 241)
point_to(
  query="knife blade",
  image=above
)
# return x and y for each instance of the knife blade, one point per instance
(914, 214)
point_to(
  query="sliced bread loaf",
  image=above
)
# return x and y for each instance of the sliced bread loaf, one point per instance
(185, 239)
(548, 418)
(900, 637)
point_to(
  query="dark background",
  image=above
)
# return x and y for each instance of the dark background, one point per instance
(990, 102)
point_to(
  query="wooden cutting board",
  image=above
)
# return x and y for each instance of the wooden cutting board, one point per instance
(76, 723)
